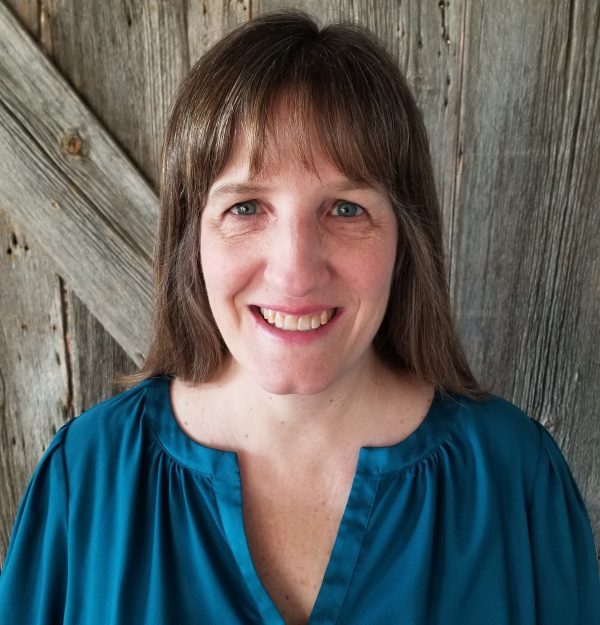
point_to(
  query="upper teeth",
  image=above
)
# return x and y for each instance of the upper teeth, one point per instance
(292, 322)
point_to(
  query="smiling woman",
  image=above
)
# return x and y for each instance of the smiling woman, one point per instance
(307, 99)
(305, 442)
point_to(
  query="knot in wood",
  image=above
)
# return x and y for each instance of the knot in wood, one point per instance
(72, 144)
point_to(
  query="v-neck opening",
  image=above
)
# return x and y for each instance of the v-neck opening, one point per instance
(223, 468)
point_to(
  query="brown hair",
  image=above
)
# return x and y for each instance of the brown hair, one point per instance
(341, 85)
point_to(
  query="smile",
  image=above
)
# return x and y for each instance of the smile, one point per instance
(294, 323)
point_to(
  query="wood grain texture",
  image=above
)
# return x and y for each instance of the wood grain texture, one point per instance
(95, 356)
(27, 12)
(65, 180)
(126, 72)
(56, 360)
(207, 22)
(125, 60)
(525, 262)
(34, 365)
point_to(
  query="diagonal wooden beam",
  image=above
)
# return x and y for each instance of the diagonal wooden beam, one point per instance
(68, 183)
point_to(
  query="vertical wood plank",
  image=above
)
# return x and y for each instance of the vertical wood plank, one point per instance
(207, 22)
(525, 260)
(34, 364)
(33, 358)
(96, 356)
(125, 59)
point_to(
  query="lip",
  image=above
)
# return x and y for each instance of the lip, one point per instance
(295, 337)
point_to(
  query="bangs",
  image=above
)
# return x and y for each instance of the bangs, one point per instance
(330, 113)
(340, 95)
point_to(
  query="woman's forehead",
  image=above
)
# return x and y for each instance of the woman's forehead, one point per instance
(278, 152)
(282, 136)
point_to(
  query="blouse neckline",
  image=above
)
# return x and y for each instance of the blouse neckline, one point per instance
(430, 433)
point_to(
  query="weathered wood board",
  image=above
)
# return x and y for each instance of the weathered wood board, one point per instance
(525, 257)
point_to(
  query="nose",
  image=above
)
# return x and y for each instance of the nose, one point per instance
(297, 263)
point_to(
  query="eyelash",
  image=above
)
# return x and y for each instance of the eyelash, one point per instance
(361, 210)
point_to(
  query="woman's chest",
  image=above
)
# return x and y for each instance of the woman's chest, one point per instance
(291, 527)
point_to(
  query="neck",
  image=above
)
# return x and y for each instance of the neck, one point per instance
(338, 419)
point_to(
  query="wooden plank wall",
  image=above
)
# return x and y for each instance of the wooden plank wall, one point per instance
(510, 93)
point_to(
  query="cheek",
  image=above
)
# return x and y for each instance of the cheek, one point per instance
(370, 270)
(214, 268)
(208, 261)
(225, 268)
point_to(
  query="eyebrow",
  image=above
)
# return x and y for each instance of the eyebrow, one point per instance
(235, 189)
(244, 189)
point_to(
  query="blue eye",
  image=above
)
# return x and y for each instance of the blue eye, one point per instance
(348, 209)
(244, 208)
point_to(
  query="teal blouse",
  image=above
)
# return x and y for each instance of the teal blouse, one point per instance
(474, 519)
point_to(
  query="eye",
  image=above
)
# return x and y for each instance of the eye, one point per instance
(244, 208)
(348, 209)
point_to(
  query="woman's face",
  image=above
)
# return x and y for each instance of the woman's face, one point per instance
(315, 252)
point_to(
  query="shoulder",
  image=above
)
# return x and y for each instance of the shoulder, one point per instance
(499, 419)
(106, 426)
(501, 435)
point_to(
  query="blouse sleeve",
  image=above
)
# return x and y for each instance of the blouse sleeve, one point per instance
(566, 580)
(34, 576)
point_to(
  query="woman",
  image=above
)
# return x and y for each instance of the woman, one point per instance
(305, 441)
